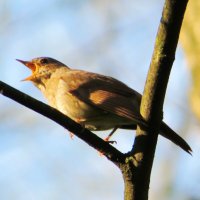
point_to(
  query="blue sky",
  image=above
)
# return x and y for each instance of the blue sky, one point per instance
(38, 160)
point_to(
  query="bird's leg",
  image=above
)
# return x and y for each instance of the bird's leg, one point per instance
(110, 135)
(71, 135)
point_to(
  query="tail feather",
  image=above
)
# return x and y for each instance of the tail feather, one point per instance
(171, 135)
(168, 133)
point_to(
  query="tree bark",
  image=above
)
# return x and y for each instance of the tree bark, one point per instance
(141, 157)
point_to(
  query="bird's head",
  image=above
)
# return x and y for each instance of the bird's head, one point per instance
(42, 68)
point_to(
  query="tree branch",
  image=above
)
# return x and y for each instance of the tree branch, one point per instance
(91, 139)
(152, 101)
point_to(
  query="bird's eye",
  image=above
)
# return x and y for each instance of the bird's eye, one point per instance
(44, 61)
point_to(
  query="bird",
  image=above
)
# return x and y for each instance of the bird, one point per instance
(95, 101)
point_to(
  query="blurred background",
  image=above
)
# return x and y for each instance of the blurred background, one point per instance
(38, 160)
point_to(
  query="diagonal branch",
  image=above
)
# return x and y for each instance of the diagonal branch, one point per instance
(91, 139)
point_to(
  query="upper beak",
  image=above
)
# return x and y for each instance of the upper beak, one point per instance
(31, 66)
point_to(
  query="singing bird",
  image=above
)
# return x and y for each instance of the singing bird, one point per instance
(95, 101)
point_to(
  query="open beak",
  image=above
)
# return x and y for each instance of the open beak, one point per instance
(31, 66)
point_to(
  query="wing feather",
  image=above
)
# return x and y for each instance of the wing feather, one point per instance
(116, 104)
(105, 93)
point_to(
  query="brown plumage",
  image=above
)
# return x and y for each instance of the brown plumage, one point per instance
(97, 102)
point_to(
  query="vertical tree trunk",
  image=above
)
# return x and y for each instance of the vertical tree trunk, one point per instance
(138, 163)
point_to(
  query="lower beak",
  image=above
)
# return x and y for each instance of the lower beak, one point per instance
(31, 66)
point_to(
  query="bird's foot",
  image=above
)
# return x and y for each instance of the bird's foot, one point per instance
(110, 141)
(107, 139)
(71, 135)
